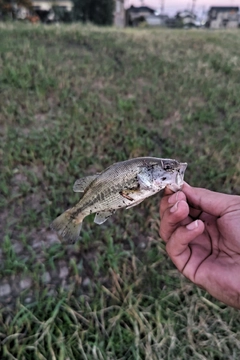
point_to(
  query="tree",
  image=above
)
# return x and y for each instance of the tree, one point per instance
(99, 12)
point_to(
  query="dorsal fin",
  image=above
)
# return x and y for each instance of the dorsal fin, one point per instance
(81, 184)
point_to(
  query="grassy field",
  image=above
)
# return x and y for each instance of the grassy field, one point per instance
(74, 100)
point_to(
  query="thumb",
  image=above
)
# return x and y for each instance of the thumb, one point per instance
(212, 202)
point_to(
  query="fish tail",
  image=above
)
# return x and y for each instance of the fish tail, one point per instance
(67, 226)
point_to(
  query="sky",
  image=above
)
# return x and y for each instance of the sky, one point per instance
(172, 6)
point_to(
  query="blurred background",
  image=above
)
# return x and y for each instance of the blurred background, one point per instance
(186, 14)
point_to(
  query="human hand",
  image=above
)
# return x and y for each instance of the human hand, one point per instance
(201, 229)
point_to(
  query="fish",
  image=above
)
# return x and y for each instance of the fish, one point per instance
(124, 184)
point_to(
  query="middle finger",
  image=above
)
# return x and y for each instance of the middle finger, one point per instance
(169, 200)
(173, 217)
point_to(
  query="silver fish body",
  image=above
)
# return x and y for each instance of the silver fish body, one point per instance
(122, 185)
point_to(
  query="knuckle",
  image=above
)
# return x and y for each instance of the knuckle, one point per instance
(161, 213)
(163, 207)
(162, 234)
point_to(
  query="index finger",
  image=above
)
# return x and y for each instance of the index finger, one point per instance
(208, 201)
(169, 199)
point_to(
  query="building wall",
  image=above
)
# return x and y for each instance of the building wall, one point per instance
(233, 24)
(223, 16)
(153, 20)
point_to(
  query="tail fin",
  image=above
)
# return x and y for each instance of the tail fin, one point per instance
(67, 227)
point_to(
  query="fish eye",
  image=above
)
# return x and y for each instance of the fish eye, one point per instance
(167, 167)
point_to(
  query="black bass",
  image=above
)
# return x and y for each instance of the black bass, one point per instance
(122, 185)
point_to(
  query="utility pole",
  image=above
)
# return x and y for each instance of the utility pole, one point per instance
(203, 13)
(193, 5)
(162, 6)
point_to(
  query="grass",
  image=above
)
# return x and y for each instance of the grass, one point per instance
(74, 99)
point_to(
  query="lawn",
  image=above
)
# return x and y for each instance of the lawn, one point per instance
(73, 100)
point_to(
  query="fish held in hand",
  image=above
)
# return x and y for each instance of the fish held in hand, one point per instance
(122, 185)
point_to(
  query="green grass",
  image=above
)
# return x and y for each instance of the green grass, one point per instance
(74, 100)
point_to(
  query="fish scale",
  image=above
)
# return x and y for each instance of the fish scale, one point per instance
(121, 185)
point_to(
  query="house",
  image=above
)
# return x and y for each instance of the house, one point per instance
(66, 5)
(183, 19)
(119, 15)
(46, 9)
(187, 19)
(136, 15)
(223, 17)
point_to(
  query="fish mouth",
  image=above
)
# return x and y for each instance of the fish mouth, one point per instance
(182, 168)
(180, 174)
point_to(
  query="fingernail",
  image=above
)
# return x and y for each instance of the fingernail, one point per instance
(193, 225)
(174, 208)
(173, 198)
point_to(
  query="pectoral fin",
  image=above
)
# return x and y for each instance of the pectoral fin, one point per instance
(102, 216)
(81, 184)
(144, 181)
